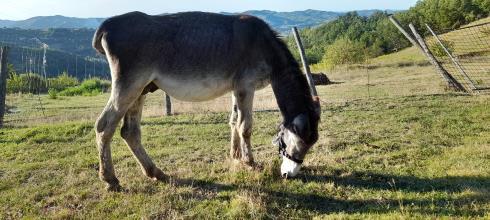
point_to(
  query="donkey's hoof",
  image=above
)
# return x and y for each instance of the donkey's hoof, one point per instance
(248, 165)
(114, 188)
(158, 175)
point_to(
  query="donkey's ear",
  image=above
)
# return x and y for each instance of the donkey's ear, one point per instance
(301, 125)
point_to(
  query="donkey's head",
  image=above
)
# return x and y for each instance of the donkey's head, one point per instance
(295, 139)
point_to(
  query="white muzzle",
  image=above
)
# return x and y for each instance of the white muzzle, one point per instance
(289, 168)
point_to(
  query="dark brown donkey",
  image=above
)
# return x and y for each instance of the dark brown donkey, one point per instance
(199, 56)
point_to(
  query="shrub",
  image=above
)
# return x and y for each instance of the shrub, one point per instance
(25, 83)
(438, 50)
(62, 82)
(52, 93)
(88, 87)
(343, 51)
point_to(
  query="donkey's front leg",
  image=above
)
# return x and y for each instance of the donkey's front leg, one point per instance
(244, 101)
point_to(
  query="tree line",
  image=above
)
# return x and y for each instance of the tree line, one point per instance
(353, 38)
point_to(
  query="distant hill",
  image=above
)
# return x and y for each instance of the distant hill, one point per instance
(284, 21)
(281, 21)
(57, 21)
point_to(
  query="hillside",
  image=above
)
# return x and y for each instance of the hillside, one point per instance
(70, 50)
(74, 41)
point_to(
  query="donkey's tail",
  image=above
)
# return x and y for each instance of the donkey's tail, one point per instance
(97, 40)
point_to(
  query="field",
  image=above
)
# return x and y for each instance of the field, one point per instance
(393, 145)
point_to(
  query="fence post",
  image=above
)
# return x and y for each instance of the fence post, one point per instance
(453, 59)
(3, 81)
(420, 44)
(306, 66)
(168, 105)
(405, 33)
(452, 82)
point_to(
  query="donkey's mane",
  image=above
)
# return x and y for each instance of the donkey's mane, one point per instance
(291, 88)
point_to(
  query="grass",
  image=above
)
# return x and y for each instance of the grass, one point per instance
(393, 145)
(418, 156)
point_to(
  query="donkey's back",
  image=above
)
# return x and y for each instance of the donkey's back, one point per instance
(210, 50)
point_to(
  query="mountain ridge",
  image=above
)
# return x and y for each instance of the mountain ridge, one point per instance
(281, 21)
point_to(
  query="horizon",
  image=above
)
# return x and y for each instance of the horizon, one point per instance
(17, 10)
(66, 16)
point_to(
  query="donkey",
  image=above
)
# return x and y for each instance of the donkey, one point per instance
(197, 56)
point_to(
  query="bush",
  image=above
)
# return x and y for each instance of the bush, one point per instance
(343, 51)
(52, 93)
(439, 51)
(62, 82)
(89, 87)
(35, 83)
(25, 83)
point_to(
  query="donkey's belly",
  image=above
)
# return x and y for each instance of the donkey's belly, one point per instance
(194, 89)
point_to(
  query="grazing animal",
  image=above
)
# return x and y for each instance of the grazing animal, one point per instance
(197, 56)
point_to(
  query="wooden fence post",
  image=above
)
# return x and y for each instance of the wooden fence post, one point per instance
(452, 82)
(306, 66)
(168, 105)
(3, 81)
(405, 33)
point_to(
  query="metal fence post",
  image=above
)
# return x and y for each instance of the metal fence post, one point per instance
(453, 59)
(420, 44)
(3, 81)
(452, 82)
(168, 105)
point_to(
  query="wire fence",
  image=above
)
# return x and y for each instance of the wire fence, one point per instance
(465, 54)
(362, 83)
(406, 74)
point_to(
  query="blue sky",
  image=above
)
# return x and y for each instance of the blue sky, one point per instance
(22, 9)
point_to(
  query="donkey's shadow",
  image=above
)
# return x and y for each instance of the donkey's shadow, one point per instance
(326, 204)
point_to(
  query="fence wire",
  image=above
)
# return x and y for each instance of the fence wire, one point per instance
(383, 78)
(470, 48)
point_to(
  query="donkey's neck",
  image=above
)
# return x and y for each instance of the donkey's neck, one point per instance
(289, 84)
(292, 93)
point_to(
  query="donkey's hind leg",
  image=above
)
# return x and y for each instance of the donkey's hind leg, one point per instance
(235, 152)
(104, 129)
(244, 102)
(131, 133)
(122, 97)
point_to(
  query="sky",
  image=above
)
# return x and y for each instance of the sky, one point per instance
(23, 9)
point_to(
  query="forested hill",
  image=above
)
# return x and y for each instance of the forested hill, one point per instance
(75, 41)
(70, 50)
(353, 38)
